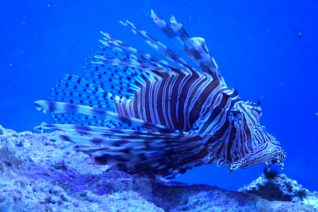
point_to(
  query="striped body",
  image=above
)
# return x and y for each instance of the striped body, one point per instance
(143, 115)
(175, 100)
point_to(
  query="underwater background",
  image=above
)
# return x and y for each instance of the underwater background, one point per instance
(265, 49)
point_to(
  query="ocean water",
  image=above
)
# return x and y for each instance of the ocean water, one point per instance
(265, 49)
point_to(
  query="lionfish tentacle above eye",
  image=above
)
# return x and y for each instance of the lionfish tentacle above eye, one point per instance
(158, 116)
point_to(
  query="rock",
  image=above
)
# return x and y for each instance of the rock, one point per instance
(2, 130)
(281, 188)
(37, 174)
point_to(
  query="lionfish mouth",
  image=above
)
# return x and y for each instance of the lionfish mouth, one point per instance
(278, 159)
(273, 156)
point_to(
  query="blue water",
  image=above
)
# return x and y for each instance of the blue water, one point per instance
(265, 49)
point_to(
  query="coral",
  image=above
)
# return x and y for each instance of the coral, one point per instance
(37, 174)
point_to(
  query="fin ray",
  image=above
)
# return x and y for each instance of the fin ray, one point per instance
(194, 47)
(62, 107)
(164, 154)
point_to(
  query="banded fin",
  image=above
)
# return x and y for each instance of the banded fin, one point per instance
(102, 131)
(64, 108)
(159, 47)
(136, 59)
(149, 153)
(85, 120)
(75, 90)
(194, 47)
(120, 79)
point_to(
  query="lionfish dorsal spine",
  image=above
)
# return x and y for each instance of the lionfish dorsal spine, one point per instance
(194, 47)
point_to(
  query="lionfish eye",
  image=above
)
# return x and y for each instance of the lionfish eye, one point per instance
(274, 161)
(236, 115)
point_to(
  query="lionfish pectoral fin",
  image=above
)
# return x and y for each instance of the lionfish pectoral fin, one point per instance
(66, 108)
(164, 154)
(142, 152)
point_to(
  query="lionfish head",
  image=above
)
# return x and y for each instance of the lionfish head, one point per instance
(263, 147)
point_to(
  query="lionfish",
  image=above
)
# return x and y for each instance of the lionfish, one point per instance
(144, 115)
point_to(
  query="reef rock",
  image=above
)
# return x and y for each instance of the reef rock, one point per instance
(281, 188)
(37, 174)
